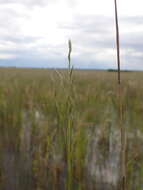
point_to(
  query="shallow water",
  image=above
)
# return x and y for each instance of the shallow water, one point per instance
(102, 159)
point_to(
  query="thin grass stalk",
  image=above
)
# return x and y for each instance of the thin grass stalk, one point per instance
(123, 135)
(69, 54)
(117, 42)
(69, 127)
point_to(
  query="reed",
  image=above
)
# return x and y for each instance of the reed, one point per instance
(65, 115)
(34, 132)
(123, 135)
(70, 124)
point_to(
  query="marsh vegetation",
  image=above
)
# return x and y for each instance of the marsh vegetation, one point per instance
(60, 129)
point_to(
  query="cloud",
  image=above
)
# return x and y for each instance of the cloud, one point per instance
(27, 2)
(38, 31)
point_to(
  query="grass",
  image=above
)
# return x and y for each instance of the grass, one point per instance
(121, 110)
(53, 135)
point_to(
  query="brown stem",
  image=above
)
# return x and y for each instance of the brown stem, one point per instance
(117, 42)
(123, 135)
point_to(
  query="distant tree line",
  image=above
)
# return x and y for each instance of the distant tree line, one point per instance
(115, 70)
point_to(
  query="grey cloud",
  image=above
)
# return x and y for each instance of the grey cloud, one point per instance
(99, 32)
(132, 62)
(20, 39)
(90, 24)
(8, 18)
(92, 31)
(71, 3)
(33, 52)
(136, 20)
(28, 2)
(87, 32)
(133, 41)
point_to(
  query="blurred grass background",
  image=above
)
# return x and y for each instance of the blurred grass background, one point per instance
(51, 131)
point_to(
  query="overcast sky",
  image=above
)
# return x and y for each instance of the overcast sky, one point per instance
(34, 33)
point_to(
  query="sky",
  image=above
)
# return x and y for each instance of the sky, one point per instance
(35, 33)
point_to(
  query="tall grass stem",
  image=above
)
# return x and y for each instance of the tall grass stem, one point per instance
(123, 135)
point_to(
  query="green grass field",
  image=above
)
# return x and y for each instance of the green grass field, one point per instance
(62, 133)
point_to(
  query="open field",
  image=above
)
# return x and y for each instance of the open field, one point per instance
(62, 133)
